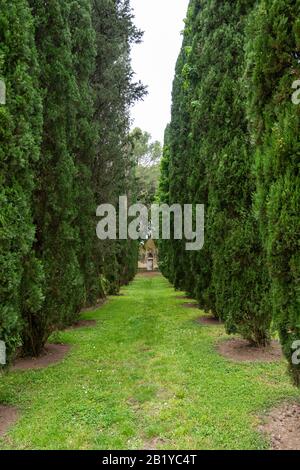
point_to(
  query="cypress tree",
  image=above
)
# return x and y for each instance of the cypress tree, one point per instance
(273, 53)
(65, 148)
(57, 236)
(210, 163)
(238, 290)
(83, 145)
(163, 197)
(176, 159)
(20, 133)
(114, 93)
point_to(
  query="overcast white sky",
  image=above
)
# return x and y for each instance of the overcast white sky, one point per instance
(154, 60)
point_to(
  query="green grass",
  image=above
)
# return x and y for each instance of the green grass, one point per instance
(146, 373)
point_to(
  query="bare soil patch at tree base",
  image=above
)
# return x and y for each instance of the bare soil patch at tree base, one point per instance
(52, 354)
(209, 320)
(240, 350)
(82, 324)
(8, 417)
(282, 427)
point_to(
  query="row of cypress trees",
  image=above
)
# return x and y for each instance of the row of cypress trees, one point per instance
(64, 150)
(233, 145)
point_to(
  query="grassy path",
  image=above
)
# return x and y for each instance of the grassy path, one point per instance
(147, 376)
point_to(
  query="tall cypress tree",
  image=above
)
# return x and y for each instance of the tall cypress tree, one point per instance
(84, 141)
(273, 65)
(54, 200)
(210, 163)
(114, 93)
(176, 176)
(20, 133)
(69, 87)
(238, 290)
(163, 198)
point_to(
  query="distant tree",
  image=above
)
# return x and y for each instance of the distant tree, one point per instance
(145, 151)
(147, 156)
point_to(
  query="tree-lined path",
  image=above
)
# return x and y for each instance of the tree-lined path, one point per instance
(146, 376)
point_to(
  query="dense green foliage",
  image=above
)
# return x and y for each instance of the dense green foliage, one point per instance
(65, 149)
(233, 135)
(55, 192)
(147, 155)
(232, 145)
(20, 134)
(273, 53)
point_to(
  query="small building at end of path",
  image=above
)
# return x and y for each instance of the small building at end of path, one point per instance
(148, 256)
